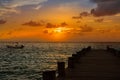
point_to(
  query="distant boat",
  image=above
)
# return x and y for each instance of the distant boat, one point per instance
(15, 46)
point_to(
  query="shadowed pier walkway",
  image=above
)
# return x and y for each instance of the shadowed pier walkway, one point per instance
(94, 65)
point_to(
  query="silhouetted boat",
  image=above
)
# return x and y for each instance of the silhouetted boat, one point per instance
(15, 46)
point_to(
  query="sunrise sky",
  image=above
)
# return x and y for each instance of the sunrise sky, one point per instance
(60, 20)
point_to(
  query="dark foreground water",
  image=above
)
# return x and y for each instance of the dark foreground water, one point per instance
(29, 62)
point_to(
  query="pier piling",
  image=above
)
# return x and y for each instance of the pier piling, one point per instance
(76, 58)
(71, 62)
(49, 75)
(61, 69)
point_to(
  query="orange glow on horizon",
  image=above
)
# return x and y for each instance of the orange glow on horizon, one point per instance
(58, 30)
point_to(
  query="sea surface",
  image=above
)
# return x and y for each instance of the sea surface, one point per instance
(29, 62)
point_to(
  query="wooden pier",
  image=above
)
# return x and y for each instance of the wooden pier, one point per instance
(93, 65)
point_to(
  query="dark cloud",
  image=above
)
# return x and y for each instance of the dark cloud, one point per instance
(101, 0)
(99, 20)
(50, 25)
(86, 28)
(106, 7)
(76, 17)
(82, 15)
(64, 24)
(2, 21)
(32, 23)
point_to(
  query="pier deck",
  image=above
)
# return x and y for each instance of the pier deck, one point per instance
(95, 65)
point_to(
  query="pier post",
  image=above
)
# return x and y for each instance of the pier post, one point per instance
(71, 62)
(88, 48)
(76, 58)
(61, 69)
(108, 48)
(79, 53)
(49, 75)
(119, 53)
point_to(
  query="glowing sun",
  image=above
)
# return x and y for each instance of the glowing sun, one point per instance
(58, 30)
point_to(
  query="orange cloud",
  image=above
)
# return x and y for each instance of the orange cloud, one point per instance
(2, 21)
(32, 23)
(99, 20)
(50, 25)
(86, 28)
(64, 24)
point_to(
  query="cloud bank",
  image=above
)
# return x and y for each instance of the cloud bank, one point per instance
(10, 6)
(106, 7)
(50, 25)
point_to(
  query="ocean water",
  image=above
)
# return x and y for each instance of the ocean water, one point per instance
(29, 62)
